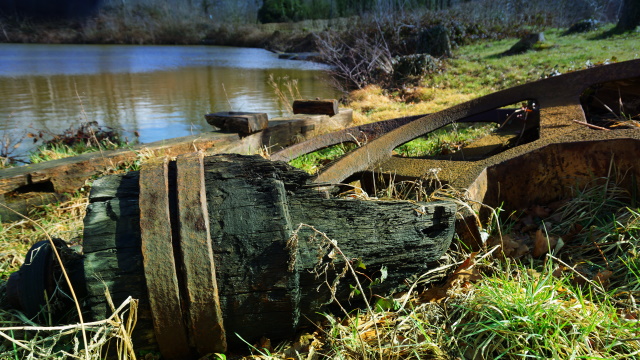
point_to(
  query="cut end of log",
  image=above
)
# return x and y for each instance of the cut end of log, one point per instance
(322, 107)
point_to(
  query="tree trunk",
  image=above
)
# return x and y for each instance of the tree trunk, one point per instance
(629, 17)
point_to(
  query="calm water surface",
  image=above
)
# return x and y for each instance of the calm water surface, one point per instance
(159, 91)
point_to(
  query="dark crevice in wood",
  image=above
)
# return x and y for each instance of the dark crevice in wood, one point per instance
(174, 219)
(43, 186)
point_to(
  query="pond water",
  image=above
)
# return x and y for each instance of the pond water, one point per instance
(159, 92)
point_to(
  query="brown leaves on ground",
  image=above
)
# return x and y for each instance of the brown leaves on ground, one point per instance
(465, 275)
(543, 244)
(509, 246)
(581, 275)
(530, 233)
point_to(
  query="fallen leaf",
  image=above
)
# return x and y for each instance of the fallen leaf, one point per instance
(468, 262)
(542, 243)
(463, 276)
(628, 315)
(509, 247)
(466, 276)
(433, 294)
(264, 343)
(521, 251)
(559, 271)
(369, 336)
(602, 277)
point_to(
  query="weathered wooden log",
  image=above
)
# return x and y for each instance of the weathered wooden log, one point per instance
(241, 122)
(323, 107)
(25, 186)
(214, 247)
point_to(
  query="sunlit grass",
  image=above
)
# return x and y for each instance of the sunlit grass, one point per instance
(314, 161)
(520, 312)
(477, 70)
(446, 140)
(62, 220)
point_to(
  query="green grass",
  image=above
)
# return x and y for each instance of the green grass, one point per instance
(446, 140)
(59, 151)
(479, 69)
(63, 220)
(520, 312)
(496, 308)
(314, 161)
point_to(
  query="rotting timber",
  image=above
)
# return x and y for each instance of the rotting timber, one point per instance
(212, 248)
(48, 182)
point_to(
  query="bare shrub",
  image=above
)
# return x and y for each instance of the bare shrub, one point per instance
(358, 59)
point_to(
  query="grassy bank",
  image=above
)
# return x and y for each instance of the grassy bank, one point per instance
(141, 24)
(478, 69)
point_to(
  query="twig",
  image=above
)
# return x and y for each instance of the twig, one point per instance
(14, 341)
(596, 286)
(71, 327)
(590, 125)
(334, 245)
(227, 97)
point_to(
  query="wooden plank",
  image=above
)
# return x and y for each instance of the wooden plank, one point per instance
(323, 107)
(283, 132)
(159, 260)
(241, 122)
(70, 174)
(205, 317)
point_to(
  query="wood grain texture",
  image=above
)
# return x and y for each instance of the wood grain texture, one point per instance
(113, 260)
(254, 208)
(240, 122)
(324, 107)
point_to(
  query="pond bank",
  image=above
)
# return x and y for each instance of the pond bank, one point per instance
(114, 27)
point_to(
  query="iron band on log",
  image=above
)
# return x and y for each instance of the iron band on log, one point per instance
(214, 247)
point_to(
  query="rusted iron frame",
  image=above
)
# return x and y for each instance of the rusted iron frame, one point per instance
(364, 133)
(559, 91)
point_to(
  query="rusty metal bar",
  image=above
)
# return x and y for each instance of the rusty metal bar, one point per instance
(159, 260)
(362, 134)
(553, 95)
(205, 316)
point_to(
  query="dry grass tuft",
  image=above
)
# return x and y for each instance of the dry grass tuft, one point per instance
(63, 220)
(113, 335)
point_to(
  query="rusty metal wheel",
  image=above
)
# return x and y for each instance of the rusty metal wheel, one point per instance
(559, 100)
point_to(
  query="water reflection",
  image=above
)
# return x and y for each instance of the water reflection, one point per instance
(159, 91)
